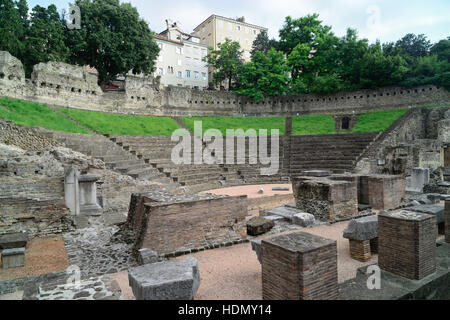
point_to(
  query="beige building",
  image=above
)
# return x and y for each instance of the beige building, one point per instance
(216, 29)
(180, 58)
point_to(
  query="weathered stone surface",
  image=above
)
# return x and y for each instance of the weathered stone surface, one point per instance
(317, 173)
(361, 229)
(299, 266)
(419, 178)
(14, 240)
(437, 211)
(147, 256)
(167, 280)
(281, 189)
(285, 212)
(447, 221)
(303, 219)
(13, 258)
(259, 225)
(256, 246)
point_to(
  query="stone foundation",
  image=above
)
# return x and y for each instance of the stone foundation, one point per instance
(407, 244)
(360, 250)
(326, 199)
(384, 191)
(447, 221)
(299, 266)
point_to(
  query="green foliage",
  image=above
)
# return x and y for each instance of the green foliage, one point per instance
(263, 44)
(313, 124)
(234, 123)
(226, 62)
(45, 38)
(266, 74)
(107, 123)
(36, 115)
(12, 27)
(378, 121)
(113, 39)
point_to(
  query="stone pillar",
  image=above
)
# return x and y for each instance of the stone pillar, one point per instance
(386, 191)
(446, 152)
(407, 243)
(419, 178)
(299, 266)
(88, 195)
(287, 141)
(71, 190)
(447, 221)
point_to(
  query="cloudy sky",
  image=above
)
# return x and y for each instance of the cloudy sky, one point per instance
(386, 20)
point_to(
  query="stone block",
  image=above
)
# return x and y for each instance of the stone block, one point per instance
(362, 229)
(281, 189)
(437, 211)
(435, 198)
(386, 191)
(259, 225)
(303, 219)
(256, 246)
(407, 243)
(13, 258)
(168, 280)
(316, 173)
(286, 213)
(419, 178)
(299, 266)
(147, 256)
(326, 199)
(13, 240)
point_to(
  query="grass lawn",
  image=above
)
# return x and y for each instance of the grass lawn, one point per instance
(224, 123)
(377, 121)
(313, 124)
(36, 115)
(107, 123)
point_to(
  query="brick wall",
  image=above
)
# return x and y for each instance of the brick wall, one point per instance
(172, 227)
(386, 192)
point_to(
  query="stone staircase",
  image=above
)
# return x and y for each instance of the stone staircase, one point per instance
(115, 157)
(157, 151)
(328, 152)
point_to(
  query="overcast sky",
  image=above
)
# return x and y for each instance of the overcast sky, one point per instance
(386, 20)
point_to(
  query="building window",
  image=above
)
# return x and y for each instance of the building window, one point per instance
(179, 62)
(203, 76)
(230, 26)
(160, 71)
(246, 41)
(188, 73)
(196, 74)
(178, 50)
(160, 58)
(238, 28)
(254, 32)
(160, 45)
(247, 54)
(170, 70)
(179, 74)
(188, 61)
(203, 29)
(203, 53)
(247, 30)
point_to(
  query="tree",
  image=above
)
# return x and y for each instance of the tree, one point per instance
(226, 62)
(44, 38)
(113, 39)
(412, 47)
(304, 30)
(442, 49)
(266, 74)
(262, 43)
(379, 69)
(12, 29)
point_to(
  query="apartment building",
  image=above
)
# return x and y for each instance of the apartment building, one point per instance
(180, 59)
(216, 29)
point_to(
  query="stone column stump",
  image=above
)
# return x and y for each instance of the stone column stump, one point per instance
(407, 243)
(362, 234)
(299, 266)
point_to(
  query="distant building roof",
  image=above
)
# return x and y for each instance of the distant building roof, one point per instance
(240, 20)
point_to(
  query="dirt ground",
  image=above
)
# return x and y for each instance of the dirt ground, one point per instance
(42, 255)
(252, 191)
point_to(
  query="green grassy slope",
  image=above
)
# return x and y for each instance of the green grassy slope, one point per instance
(36, 115)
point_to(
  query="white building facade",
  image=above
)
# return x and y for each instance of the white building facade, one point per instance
(180, 59)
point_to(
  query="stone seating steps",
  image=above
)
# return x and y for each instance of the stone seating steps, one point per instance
(114, 156)
(194, 177)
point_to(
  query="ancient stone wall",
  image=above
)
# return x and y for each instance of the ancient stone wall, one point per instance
(170, 227)
(71, 86)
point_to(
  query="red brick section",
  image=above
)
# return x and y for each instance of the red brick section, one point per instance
(447, 221)
(385, 192)
(171, 227)
(360, 250)
(299, 266)
(407, 243)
